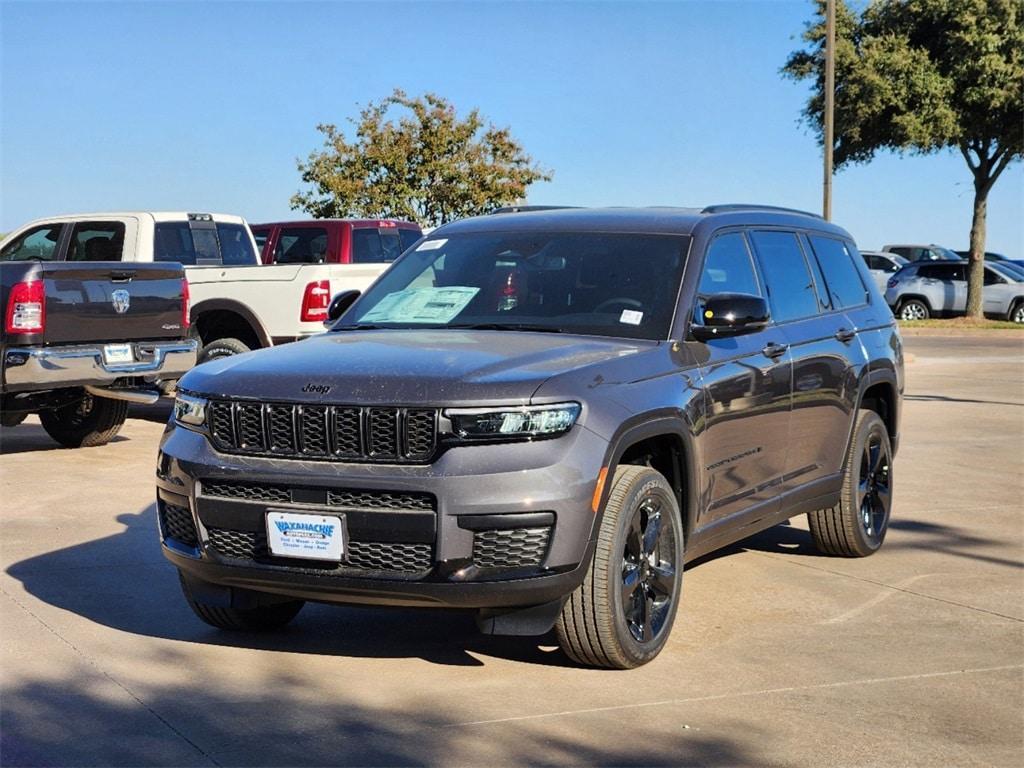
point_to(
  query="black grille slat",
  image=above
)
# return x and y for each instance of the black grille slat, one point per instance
(178, 524)
(382, 433)
(420, 433)
(246, 491)
(337, 497)
(349, 498)
(312, 421)
(281, 429)
(337, 432)
(250, 426)
(510, 548)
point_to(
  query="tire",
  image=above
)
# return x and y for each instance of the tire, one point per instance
(12, 419)
(856, 526)
(222, 348)
(1016, 313)
(90, 422)
(913, 309)
(264, 617)
(596, 627)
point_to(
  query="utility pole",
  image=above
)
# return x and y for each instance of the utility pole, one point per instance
(830, 98)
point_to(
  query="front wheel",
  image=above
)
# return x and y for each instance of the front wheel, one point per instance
(622, 614)
(856, 526)
(1016, 314)
(89, 422)
(913, 309)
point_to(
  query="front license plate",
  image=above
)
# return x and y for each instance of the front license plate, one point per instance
(310, 537)
(117, 354)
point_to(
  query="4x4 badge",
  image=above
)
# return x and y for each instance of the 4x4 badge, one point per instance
(121, 300)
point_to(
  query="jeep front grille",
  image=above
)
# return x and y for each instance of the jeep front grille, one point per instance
(363, 555)
(332, 432)
(350, 498)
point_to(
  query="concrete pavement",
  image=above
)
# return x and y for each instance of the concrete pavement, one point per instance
(779, 656)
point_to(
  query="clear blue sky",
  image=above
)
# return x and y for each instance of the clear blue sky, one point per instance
(206, 106)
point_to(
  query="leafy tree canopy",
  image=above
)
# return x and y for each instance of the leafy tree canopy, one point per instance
(922, 76)
(428, 165)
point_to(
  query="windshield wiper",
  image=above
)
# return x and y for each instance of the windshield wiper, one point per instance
(507, 327)
(357, 327)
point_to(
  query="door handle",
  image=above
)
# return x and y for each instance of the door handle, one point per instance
(774, 350)
(845, 335)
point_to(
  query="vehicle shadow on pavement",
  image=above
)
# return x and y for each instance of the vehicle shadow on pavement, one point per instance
(945, 399)
(122, 581)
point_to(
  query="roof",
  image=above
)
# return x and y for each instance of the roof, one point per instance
(401, 223)
(155, 215)
(652, 220)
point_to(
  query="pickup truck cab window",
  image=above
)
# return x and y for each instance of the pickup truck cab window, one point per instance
(38, 244)
(791, 292)
(301, 245)
(235, 246)
(374, 246)
(96, 241)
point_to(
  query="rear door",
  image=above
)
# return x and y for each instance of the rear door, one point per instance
(112, 302)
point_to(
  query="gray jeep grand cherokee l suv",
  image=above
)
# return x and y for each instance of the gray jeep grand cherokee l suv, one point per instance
(541, 416)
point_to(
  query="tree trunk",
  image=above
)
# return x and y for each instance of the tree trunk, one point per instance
(976, 275)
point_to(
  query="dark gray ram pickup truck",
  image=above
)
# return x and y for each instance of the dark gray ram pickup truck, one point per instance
(541, 416)
(82, 340)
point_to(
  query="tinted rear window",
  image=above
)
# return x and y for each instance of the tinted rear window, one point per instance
(172, 241)
(96, 241)
(375, 246)
(235, 245)
(408, 237)
(301, 245)
(790, 287)
(227, 244)
(845, 287)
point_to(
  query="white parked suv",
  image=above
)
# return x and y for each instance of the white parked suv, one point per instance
(238, 304)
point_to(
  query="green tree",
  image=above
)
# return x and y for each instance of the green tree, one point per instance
(924, 76)
(429, 165)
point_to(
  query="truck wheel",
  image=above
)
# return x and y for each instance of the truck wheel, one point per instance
(263, 617)
(12, 419)
(913, 309)
(856, 526)
(221, 348)
(622, 614)
(90, 422)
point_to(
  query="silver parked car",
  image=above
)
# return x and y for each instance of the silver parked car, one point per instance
(919, 252)
(934, 288)
(883, 265)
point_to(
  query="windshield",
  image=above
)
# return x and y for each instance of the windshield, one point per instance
(595, 284)
(1008, 269)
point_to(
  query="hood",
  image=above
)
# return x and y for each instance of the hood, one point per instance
(406, 367)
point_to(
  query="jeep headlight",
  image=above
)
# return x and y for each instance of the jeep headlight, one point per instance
(514, 422)
(190, 410)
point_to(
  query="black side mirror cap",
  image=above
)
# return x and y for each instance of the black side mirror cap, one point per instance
(731, 314)
(339, 304)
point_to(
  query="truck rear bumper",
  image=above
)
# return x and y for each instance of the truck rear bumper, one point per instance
(26, 368)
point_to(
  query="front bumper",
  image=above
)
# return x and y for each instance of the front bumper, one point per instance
(484, 497)
(26, 368)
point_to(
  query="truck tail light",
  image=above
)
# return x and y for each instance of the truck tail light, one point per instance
(186, 304)
(26, 308)
(315, 301)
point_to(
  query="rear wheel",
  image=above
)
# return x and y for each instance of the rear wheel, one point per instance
(622, 614)
(262, 617)
(913, 309)
(1016, 314)
(222, 348)
(856, 526)
(89, 422)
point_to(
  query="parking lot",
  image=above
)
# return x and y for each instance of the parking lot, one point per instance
(780, 656)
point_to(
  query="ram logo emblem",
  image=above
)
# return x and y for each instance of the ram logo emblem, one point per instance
(121, 300)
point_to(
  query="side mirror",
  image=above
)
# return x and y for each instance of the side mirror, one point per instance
(731, 314)
(341, 302)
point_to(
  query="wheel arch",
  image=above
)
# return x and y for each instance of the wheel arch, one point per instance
(879, 392)
(232, 319)
(904, 298)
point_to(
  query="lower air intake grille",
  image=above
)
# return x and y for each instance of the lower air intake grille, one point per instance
(363, 555)
(511, 548)
(177, 524)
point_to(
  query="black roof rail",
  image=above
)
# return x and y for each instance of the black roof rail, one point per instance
(528, 208)
(729, 207)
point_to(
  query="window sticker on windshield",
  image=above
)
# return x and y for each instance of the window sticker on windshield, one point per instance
(421, 305)
(431, 245)
(631, 317)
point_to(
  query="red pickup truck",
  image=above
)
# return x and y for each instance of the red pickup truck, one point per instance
(334, 241)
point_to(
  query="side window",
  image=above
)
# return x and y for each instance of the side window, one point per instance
(728, 268)
(957, 272)
(96, 241)
(991, 278)
(172, 241)
(841, 275)
(301, 245)
(899, 250)
(235, 245)
(790, 287)
(38, 244)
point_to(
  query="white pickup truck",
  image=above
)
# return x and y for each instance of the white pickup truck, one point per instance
(237, 303)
